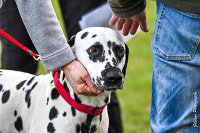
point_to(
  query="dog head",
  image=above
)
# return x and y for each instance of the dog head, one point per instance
(104, 54)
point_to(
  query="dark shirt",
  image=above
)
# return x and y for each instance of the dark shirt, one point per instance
(129, 8)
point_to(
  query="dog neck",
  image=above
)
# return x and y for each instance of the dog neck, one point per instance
(95, 101)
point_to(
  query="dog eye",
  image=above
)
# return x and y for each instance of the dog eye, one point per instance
(120, 52)
(93, 50)
(96, 52)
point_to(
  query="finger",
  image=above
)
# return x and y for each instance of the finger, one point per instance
(92, 86)
(120, 23)
(85, 90)
(127, 26)
(143, 26)
(113, 20)
(143, 22)
(134, 27)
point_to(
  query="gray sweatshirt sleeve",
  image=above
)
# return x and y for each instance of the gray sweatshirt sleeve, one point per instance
(45, 31)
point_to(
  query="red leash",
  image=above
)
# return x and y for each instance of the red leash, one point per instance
(60, 88)
(18, 44)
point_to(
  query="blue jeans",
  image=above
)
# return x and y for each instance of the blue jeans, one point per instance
(176, 72)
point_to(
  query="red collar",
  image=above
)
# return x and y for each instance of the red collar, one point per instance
(66, 96)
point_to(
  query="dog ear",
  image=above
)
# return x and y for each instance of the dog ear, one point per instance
(126, 60)
(72, 41)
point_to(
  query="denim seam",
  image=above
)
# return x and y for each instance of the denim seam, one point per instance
(171, 57)
(192, 15)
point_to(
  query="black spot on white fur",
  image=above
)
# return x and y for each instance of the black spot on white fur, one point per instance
(54, 94)
(108, 65)
(77, 98)
(5, 96)
(20, 84)
(64, 114)
(28, 97)
(47, 100)
(51, 128)
(93, 79)
(78, 128)
(73, 111)
(118, 51)
(93, 36)
(1, 87)
(63, 77)
(98, 81)
(85, 126)
(30, 81)
(84, 35)
(66, 87)
(109, 52)
(109, 44)
(15, 113)
(114, 61)
(106, 100)
(19, 124)
(100, 117)
(93, 129)
(53, 113)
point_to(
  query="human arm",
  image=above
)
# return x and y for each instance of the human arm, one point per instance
(44, 29)
(128, 15)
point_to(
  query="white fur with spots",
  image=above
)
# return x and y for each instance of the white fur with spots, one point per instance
(28, 104)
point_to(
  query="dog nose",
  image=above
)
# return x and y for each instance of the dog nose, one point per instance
(113, 76)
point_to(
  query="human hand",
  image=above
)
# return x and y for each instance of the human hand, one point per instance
(79, 79)
(130, 25)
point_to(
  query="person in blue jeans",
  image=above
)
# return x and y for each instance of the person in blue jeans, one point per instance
(175, 106)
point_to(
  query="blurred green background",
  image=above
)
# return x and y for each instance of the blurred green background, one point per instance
(135, 98)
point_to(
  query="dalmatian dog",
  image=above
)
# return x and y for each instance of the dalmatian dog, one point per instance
(32, 104)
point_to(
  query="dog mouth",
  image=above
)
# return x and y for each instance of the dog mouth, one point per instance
(110, 87)
(113, 86)
(112, 79)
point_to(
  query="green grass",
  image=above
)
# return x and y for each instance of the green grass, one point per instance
(135, 98)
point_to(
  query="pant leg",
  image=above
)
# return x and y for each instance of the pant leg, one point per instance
(176, 72)
(12, 57)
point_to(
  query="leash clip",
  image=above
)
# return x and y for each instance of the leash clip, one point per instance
(37, 57)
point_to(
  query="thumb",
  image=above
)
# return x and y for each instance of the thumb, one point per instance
(91, 85)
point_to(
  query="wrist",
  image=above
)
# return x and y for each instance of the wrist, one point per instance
(67, 67)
